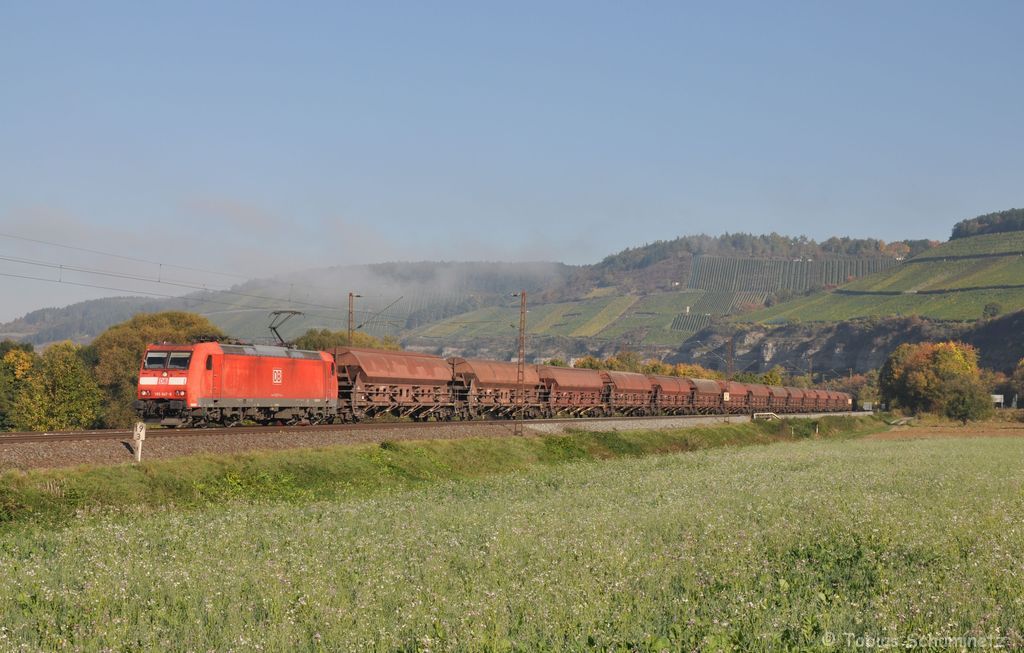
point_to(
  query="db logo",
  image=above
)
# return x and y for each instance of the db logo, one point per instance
(277, 377)
(161, 381)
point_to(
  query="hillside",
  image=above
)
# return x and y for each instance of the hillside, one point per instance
(954, 281)
(654, 295)
(716, 286)
(667, 265)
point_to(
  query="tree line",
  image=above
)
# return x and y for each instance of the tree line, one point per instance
(771, 245)
(990, 223)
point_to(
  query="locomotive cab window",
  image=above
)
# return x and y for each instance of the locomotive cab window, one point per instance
(156, 360)
(178, 360)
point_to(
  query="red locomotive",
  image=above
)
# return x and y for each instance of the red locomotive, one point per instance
(212, 383)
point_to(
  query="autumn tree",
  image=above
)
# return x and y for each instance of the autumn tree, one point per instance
(657, 367)
(589, 363)
(800, 381)
(58, 394)
(624, 361)
(932, 377)
(117, 353)
(323, 339)
(627, 361)
(16, 361)
(862, 386)
(695, 371)
(773, 376)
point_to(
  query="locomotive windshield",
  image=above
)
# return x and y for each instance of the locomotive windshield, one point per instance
(178, 360)
(156, 360)
(164, 360)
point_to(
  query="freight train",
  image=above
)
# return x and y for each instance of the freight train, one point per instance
(213, 383)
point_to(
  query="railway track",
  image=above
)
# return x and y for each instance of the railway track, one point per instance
(126, 434)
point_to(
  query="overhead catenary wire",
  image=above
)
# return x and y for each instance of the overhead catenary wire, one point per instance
(133, 277)
(184, 298)
(160, 279)
(160, 265)
(120, 256)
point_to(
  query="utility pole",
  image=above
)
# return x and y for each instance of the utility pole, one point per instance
(732, 356)
(521, 366)
(351, 316)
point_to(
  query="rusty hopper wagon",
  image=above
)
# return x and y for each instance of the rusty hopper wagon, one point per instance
(779, 399)
(490, 388)
(816, 400)
(628, 393)
(572, 391)
(758, 397)
(735, 397)
(375, 382)
(673, 395)
(708, 397)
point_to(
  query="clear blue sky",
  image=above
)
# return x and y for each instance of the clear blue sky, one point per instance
(318, 133)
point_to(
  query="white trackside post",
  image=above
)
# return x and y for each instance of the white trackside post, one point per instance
(138, 437)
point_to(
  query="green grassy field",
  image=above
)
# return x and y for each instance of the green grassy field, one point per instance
(608, 314)
(717, 286)
(603, 318)
(653, 315)
(561, 319)
(794, 546)
(831, 307)
(937, 274)
(1012, 241)
(935, 270)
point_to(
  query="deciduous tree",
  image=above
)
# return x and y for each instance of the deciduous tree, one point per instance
(931, 377)
(118, 354)
(967, 399)
(58, 394)
(323, 339)
(15, 364)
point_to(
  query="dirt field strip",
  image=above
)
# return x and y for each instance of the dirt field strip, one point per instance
(983, 430)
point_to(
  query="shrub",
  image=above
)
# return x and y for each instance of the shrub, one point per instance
(967, 400)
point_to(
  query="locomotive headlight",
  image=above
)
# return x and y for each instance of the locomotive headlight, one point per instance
(144, 393)
(179, 393)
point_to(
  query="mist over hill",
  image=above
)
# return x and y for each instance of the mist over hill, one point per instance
(393, 297)
(399, 298)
